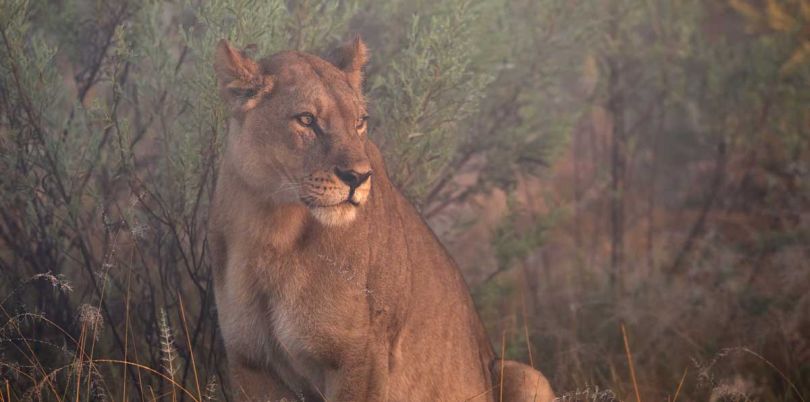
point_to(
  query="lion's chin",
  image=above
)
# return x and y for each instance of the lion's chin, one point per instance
(337, 215)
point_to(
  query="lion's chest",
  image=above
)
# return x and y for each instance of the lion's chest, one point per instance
(301, 315)
(315, 302)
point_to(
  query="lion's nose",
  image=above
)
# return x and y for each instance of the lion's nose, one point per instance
(352, 177)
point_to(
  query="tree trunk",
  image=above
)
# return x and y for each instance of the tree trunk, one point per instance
(615, 106)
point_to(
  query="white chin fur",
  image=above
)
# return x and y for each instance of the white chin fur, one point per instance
(334, 216)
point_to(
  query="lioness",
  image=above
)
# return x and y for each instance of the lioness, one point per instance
(329, 285)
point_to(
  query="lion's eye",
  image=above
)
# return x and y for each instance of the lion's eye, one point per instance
(361, 123)
(306, 119)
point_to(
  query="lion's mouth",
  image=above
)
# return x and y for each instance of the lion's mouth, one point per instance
(310, 203)
(335, 214)
(336, 207)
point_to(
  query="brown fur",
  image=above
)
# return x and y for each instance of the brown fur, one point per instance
(319, 298)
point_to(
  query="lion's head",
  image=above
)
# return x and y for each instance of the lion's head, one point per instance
(298, 132)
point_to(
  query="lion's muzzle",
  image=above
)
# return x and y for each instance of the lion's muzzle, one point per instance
(334, 197)
(354, 180)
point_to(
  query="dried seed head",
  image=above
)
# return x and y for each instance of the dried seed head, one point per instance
(139, 231)
(57, 281)
(91, 317)
(211, 389)
(167, 345)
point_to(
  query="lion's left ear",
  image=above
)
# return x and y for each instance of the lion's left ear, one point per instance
(351, 58)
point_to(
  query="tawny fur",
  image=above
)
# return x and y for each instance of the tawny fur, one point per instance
(321, 298)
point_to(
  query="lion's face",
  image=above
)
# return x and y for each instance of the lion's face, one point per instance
(299, 130)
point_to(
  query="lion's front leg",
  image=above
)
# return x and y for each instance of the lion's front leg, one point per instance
(361, 377)
(251, 385)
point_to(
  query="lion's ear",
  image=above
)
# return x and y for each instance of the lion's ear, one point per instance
(351, 58)
(241, 81)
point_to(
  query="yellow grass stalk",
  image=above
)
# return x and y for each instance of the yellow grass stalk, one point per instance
(126, 338)
(190, 347)
(630, 363)
(78, 361)
(526, 325)
(680, 384)
(503, 352)
(174, 383)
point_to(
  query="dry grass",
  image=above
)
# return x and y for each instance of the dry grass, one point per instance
(664, 359)
(87, 375)
(630, 363)
(29, 370)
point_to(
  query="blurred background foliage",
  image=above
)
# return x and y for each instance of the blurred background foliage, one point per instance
(590, 164)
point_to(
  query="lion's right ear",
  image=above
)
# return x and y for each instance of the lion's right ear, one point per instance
(351, 58)
(241, 81)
